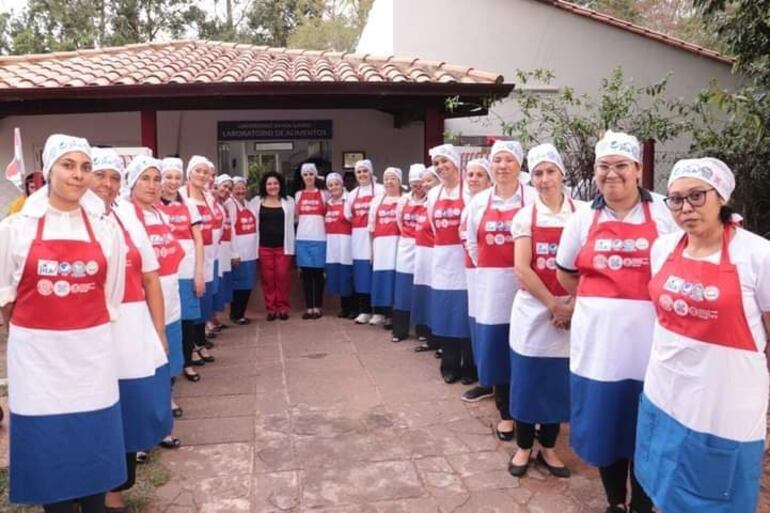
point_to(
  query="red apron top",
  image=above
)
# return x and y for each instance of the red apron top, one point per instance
(360, 209)
(446, 220)
(245, 221)
(311, 204)
(468, 261)
(702, 300)
(423, 234)
(409, 217)
(545, 245)
(179, 219)
(134, 287)
(207, 220)
(494, 238)
(335, 219)
(62, 286)
(227, 225)
(615, 260)
(218, 218)
(167, 249)
(385, 224)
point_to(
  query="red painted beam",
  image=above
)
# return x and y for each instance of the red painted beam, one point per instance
(434, 130)
(149, 127)
(648, 164)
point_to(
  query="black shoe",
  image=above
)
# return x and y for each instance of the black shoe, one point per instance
(467, 380)
(388, 325)
(177, 412)
(352, 315)
(142, 457)
(517, 470)
(396, 340)
(343, 314)
(555, 471)
(450, 377)
(197, 363)
(208, 344)
(476, 394)
(192, 376)
(317, 315)
(207, 358)
(283, 316)
(171, 443)
(616, 509)
(272, 316)
(437, 354)
(307, 315)
(504, 436)
(422, 348)
(242, 321)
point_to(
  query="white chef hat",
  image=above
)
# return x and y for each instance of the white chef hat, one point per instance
(366, 163)
(139, 165)
(620, 144)
(545, 152)
(483, 164)
(106, 158)
(334, 177)
(59, 144)
(447, 151)
(712, 171)
(171, 164)
(195, 161)
(415, 172)
(239, 179)
(512, 147)
(394, 171)
(309, 167)
(431, 170)
(220, 179)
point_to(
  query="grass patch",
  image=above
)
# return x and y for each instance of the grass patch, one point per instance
(148, 477)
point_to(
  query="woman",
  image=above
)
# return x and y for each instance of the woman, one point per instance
(66, 444)
(275, 217)
(423, 259)
(539, 333)
(383, 229)
(212, 328)
(478, 177)
(198, 177)
(228, 253)
(311, 240)
(339, 260)
(703, 413)
(357, 210)
(448, 295)
(244, 277)
(407, 212)
(603, 261)
(185, 222)
(32, 182)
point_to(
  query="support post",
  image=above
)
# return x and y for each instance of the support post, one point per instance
(149, 128)
(434, 130)
(648, 164)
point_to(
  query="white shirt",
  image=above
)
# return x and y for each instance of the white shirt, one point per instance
(522, 221)
(126, 212)
(287, 204)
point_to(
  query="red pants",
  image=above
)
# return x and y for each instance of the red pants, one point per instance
(275, 273)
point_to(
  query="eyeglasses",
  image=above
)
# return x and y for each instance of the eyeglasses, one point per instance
(619, 168)
(696, 198)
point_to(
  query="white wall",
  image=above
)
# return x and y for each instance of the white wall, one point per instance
(378, 34)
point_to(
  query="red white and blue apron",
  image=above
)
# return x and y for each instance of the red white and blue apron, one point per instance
(311, 232)
(423, 262)
(540, 379)
(178, 214)
(209, 256)
(339, 257)
(224, 292)
(702, 418)
(66, 439)
(610, 337)
(402, 296)
(449, 298)
(470, 273)
(246, 240)
(384, 248)
(143, 370)
(360, 240)
(496, 284)
(217, 230)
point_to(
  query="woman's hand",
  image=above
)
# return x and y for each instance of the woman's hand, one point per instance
(561, 312)
(200, 285)
(163, 341)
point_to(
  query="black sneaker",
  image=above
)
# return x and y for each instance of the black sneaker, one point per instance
(616, 509)
(476, 394)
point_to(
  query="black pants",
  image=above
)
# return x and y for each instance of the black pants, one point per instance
(383, 310)
(456, 357)
(130, 471)
(525, 435)
(364, 303)
(90, 504)
(313, 282)
(400, 324)
(615, 481)
(502, 400)
(239, 303)
(348, 305)
(189, 340)
(422, 330)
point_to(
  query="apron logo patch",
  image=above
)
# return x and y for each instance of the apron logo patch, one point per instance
(666, 302)
(92, 268)
(65, 268)
(541, 263)
(541, 248)
(47, 267)
(61, 288)
(642, 244)
(603, 245)
(78, 269)
(615, 262)
(600, 262)
(673, 284)
(44, 287)
(711, 293)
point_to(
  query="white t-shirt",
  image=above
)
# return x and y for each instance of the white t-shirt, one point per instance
(127, 214)
(522, 221)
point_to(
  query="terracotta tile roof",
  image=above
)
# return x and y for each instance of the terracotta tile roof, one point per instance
(637, 29)
(184, 62)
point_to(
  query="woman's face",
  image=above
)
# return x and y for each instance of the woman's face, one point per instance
(547, 178)
(200, 176)
(698, 219)
(617, 177)
(392, 185)
(335, 189)
(224, 190)
(239, 191)
(363, 175)
(416, 187)
(477, 179)
(445, 168)
(505, 167)
(273, 187)
(308, 177)
(429, 182)
(171, 181)
(105, 183)
(146, 190)
(69, 176)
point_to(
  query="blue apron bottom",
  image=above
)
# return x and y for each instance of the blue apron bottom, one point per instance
(491, 353)
(539, 389)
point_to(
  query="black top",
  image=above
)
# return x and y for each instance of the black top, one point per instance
(271, 227)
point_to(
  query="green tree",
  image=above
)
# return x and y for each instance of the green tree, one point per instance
(338, 29)
(137, 21)
(627, 10)
(272, 22)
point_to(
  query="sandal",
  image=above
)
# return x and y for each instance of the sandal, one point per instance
(192, 375)
(205, 357)
(171, 443)
(177, 412)
(142, 457)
